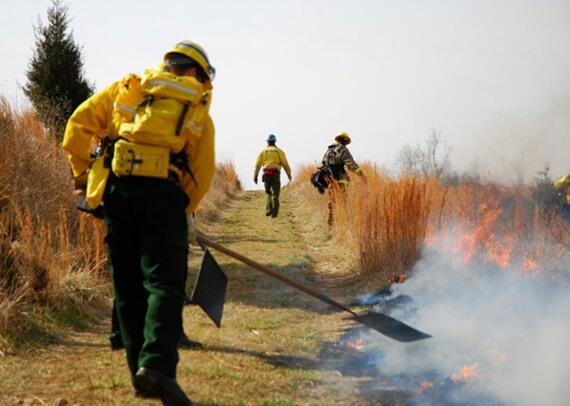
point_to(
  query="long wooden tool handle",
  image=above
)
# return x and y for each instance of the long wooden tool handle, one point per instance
(277, 275)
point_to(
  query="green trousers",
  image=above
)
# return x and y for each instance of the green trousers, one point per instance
(147, 246)
(272, 185)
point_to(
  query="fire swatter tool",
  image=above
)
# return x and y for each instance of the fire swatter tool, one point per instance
(210, 289)
(379, 322)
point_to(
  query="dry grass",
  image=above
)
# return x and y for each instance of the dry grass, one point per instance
(224, 187)
(51, 256)
(276, 346)
(384, 221)
(380, 224)
(383, 224)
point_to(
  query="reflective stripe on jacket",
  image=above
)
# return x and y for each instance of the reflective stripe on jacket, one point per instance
(94, 119)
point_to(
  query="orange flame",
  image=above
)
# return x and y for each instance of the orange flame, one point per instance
(488, 240)
(530, 264)
(466, 373)
(400, 278)
(499, 252)
(425, 385)
(357, 344)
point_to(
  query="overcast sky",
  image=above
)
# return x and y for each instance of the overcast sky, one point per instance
(492, 77)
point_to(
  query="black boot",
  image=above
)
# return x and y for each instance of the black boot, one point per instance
(185, 342)
(116, 341)
(149, 382)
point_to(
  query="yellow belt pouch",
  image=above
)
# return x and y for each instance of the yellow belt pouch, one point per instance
(131, 159)
(96, 182)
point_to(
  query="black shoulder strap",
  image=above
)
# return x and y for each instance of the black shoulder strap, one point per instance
(180, 160)
(180, 122)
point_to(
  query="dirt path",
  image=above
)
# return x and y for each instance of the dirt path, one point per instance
(276, 346)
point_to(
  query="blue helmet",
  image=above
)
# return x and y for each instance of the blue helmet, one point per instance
(271, 138)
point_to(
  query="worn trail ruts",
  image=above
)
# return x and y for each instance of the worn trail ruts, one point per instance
(268, 351)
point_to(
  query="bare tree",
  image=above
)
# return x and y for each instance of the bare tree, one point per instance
(429, 159)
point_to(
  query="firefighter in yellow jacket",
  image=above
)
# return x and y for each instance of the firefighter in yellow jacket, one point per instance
(271, 159)
(153, 163)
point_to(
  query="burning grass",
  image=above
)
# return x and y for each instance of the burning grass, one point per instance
(501, 226)
(489, 280)
(384, 223)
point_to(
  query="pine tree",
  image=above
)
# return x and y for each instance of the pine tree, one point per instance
(55, 83)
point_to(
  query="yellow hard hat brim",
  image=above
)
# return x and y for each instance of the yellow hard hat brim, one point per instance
(195, 52)
(343, 136)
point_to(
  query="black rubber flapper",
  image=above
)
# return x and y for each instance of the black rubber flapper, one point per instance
(391, 327)
(210, 289)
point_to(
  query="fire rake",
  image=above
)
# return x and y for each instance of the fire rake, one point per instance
(382, 323)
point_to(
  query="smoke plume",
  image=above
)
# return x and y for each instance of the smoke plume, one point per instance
(500, 336)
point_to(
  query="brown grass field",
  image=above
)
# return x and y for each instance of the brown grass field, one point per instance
(52, 260)
(55, 292)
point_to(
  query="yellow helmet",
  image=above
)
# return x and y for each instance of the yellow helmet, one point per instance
(343, 137)
(195, 52)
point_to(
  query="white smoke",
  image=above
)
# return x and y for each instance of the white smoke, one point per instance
(512, 328)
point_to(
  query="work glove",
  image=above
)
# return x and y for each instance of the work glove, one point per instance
(192, 232)
(361, 174)
(79, 185)
(255, 180)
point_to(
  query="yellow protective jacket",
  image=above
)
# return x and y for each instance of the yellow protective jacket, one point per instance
(562, 185)
(272, 157)
(97, 118)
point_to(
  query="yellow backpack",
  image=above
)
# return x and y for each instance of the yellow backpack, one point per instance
(161, 109)
(158, 114)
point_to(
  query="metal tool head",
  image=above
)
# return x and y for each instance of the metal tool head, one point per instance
(210, 289)
(391, 327)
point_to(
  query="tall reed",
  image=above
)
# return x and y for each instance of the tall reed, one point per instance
(383, 220)
(50, 254)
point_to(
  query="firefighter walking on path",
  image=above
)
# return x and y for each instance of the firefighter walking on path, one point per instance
(336, 160)
(154, 163)
(271, 159)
